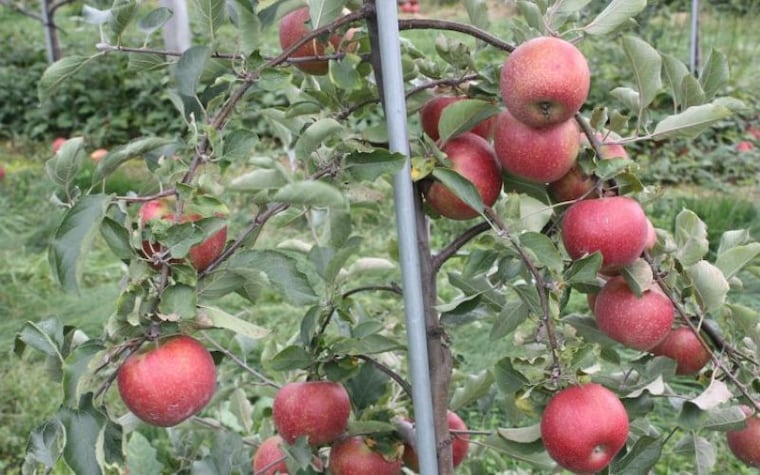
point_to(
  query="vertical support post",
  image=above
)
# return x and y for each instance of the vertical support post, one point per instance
(694, 39)
(51, 40)
(414, 306)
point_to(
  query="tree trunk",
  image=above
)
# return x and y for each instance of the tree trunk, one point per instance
(52, 44)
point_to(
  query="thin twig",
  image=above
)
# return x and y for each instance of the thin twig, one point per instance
(239, 361)
(389, 372)
(451, 249)
(393, 287)
(428, 24)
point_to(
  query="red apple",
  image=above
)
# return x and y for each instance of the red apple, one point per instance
(615, 226)
(430, 116)
(754, 132)
(683, 346)
(201, 255)
(745, 443)
(169, 382)
(293, 27)
(407, 7)
(472, 157)
(537, 155)
(2, 173)
(352, 456)
(318, 410)
(57, 143)
(544, 81)
(584, 427)
(98, 154)
(460, 443)
(269, 457)
(745, 146)
(651, 236)
(575, 184)
(636, 322)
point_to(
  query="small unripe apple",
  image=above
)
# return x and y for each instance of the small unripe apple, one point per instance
(168, 382)
(615, 226)
(537, 155)
(745, 443)
(472, 157)
(683, 346)
(430, 116)
(293, 27)
(200, 255)
(584, 427)
(544, 81)
(352, 456)
(636, 322)
(318, 410)
(460, 444)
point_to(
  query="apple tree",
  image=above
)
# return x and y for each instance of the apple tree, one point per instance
(255, 253)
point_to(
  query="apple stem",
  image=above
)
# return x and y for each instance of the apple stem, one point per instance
(541, 287)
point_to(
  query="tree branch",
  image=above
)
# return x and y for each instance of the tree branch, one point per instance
(427, 24)
(389, 372)
(451, 249)
(240, 362)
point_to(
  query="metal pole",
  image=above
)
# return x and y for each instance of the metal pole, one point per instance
(694, 39)
(395, 112)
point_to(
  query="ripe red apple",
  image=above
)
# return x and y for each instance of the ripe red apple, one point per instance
(575, 183)
(270, 458)
(318, 410)
(745, 443)
(683, 346)
(544, 81)
(57, 143)
(293, 27)
(407, 7)
(472, 157)
(636, 322)
(615, 226)
(169, 382)
(584, 427)
(98, 154)
(651, 236)
(745, 146)
(537, 155)
(2, 173)
(460, 443)
(352, 456)
(201, 255)
(430, 116)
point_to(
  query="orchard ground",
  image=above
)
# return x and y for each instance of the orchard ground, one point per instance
(721, 185)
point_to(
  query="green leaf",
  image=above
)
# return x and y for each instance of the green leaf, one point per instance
(532, 453)
(117, 237)
(95, 16)
(543, 249)
(323, 12)
(473, 387)
(371, 344)
(239, 144)
(141, 62)
(675, 72)
(691, 445)
(582, 273)
(344, 73)
(532, 14)
(74, 238)
(154, 20)
(277, 10)
(461, 187)
(248, 24)
(691, 122)
(58, 73)
(586, 327)
(510, 317)
(615, 14)
(310, 193)
(715, 73)
(178, 302)
(522, 435)
(190, 67)
(477, 12)
(122, 14)
(316, 134)
(367, 387)
(717, 418)
(45, 445)
(290, 358)
(638, 276)
(75, 368)
(64, 167)
(372, 165)
(641, 457)
(284, 274)
(691, 238)
(117, 157)
(509, 380)
(693, 95)
(211, 16)
(534, 213)
(257, 180)
(45, 336)
(733, 260)
(461, 116)
(646, 64)
(85, 429)
(710, 283)
(142, 457)
(221, 319)
(558, 14)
